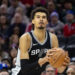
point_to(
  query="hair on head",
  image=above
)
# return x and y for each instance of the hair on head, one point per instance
(39, 9)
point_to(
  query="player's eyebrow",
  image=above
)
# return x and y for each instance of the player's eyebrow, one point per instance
(42, 15)
(37, 14)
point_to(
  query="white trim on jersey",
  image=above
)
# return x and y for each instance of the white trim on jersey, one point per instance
(38, 40)
(50, 39)
(31, 43)
(17, 69)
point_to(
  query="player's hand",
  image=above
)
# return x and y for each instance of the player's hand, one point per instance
(65, 64)
(48, 56)
(50, 53)
(66, 61)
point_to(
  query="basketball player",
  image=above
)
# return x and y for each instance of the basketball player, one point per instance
(35, 45)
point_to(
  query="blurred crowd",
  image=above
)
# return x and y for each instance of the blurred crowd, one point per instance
(15, 20)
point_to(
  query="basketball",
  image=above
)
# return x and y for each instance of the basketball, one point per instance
(58, 58)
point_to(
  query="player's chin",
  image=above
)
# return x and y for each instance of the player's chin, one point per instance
(41, 27)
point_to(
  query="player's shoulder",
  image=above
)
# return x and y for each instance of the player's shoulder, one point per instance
(25, 36)
(52, 35)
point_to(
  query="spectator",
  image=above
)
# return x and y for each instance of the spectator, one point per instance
(36, 3)
(13, 53)
(70, 71)
(69, 17)
(68, 6)
(69, 28)
(3, 9)
(17, 23)
(3, 44)
(55, 25)
(3, 25)
(72, 65)
(6, 2)
(7, 61)
(5, 55)
(3, 66)
(50, 70)
(51, 7)
(43, 73)
(13, 5)
(13, 41)
(25, 19)
(4, 72)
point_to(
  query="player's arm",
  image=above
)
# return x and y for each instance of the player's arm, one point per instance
(55, 45)
(54, 41)
(24, 45)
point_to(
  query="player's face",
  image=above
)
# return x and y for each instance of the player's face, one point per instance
(40, 20)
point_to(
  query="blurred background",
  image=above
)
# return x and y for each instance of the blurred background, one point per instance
(15, 20)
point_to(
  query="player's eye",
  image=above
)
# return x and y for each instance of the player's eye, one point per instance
(44, 17)
(38, 16)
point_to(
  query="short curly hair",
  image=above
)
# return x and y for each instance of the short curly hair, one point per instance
(39, 9)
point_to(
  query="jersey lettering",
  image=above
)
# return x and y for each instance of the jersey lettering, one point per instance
(34, 52)
(38, 51)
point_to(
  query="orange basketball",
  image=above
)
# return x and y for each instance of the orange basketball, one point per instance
(58, 58)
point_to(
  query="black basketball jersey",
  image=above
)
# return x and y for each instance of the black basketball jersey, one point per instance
(38, 49)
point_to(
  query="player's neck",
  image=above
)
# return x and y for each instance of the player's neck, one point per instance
(40, 34)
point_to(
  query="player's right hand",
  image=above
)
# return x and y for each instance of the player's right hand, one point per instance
(48, 56)
(50, 53)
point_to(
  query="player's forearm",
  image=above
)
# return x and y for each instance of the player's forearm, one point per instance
(42, 61)
(26, 66)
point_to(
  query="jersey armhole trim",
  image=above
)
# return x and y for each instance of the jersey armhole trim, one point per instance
(50, 39)
(31, 42)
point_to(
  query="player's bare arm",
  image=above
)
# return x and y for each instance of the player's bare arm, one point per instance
(54, 41)
(24, 45)
(56, 45)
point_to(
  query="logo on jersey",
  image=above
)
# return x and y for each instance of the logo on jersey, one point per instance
(39, 52)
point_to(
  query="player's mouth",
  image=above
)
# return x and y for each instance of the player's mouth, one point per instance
(41, 23)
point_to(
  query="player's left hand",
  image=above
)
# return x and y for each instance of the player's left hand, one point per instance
(66, 61)
(65, 64)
